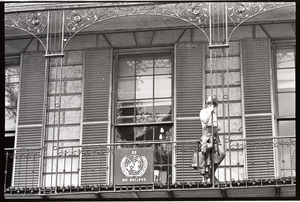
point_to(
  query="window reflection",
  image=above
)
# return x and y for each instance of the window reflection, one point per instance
(126, 66)
(125, 88)
(144, 111)
(163, 63)
(11, 74)
(134, 133)
(145, 132)
(163, 110)
(11, 96)
(125, 112)
(144, 64)
(285, 58)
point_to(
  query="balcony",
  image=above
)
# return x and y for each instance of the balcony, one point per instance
(260, 168)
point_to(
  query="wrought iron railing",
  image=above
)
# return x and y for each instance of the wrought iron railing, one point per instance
(86, 168)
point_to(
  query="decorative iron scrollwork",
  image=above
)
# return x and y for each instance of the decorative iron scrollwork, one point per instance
(241, 11)
(38, 23)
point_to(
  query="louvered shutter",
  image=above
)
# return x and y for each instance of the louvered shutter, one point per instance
(258, 112)
(97, 67)
(29, 129)
(189, 74)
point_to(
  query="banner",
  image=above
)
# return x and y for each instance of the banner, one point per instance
(133, 166)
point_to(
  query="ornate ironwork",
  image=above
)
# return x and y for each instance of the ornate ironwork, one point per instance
(239, 12)
(42, 24)
(193, 13)
(34, 23)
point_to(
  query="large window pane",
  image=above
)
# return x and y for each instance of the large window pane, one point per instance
(144, 111)
(144, 64)
(144, 87)
(12, 74)
(163, 152)
(10, 119)
(11, 94)
(287, 128)
(163, 132)
(66, 133)
(142, 133)
(286, 79)
(67, 71)
(285, 58)
(163, 86)
(73, 86)
(11, 100)
(162, 110)
(125, 112)
(125, 88)
(124, 134)
(126, 66)
(286, 104)
(66, 102)
(54, 87)
(134, 133)
(286, 148)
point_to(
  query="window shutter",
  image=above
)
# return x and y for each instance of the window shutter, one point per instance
(29, 129)
(189, 74)
(258, 113)
(97, 67)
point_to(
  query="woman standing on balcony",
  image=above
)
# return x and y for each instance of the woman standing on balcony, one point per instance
(213, 153)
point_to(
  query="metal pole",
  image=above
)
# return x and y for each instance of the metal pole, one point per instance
(213, 151)
(5, 171)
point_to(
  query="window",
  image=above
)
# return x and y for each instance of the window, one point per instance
(143, 108)
(63, 124)
(11, 96)
(12, 72)
(285, 73)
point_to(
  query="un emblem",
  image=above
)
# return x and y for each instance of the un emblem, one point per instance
(134, 165)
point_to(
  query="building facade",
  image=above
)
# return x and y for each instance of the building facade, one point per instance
(93, 87)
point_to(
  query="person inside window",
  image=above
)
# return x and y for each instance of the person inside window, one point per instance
(213, 153)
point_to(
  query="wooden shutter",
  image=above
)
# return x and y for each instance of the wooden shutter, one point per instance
(97, 67)
(189, 74)
(258, 113)
(29, 130)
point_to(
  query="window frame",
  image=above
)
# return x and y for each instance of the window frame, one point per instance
(10, 135)
(281, 45)
(115, 125)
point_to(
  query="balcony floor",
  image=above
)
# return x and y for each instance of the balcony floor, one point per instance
(267, 191)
